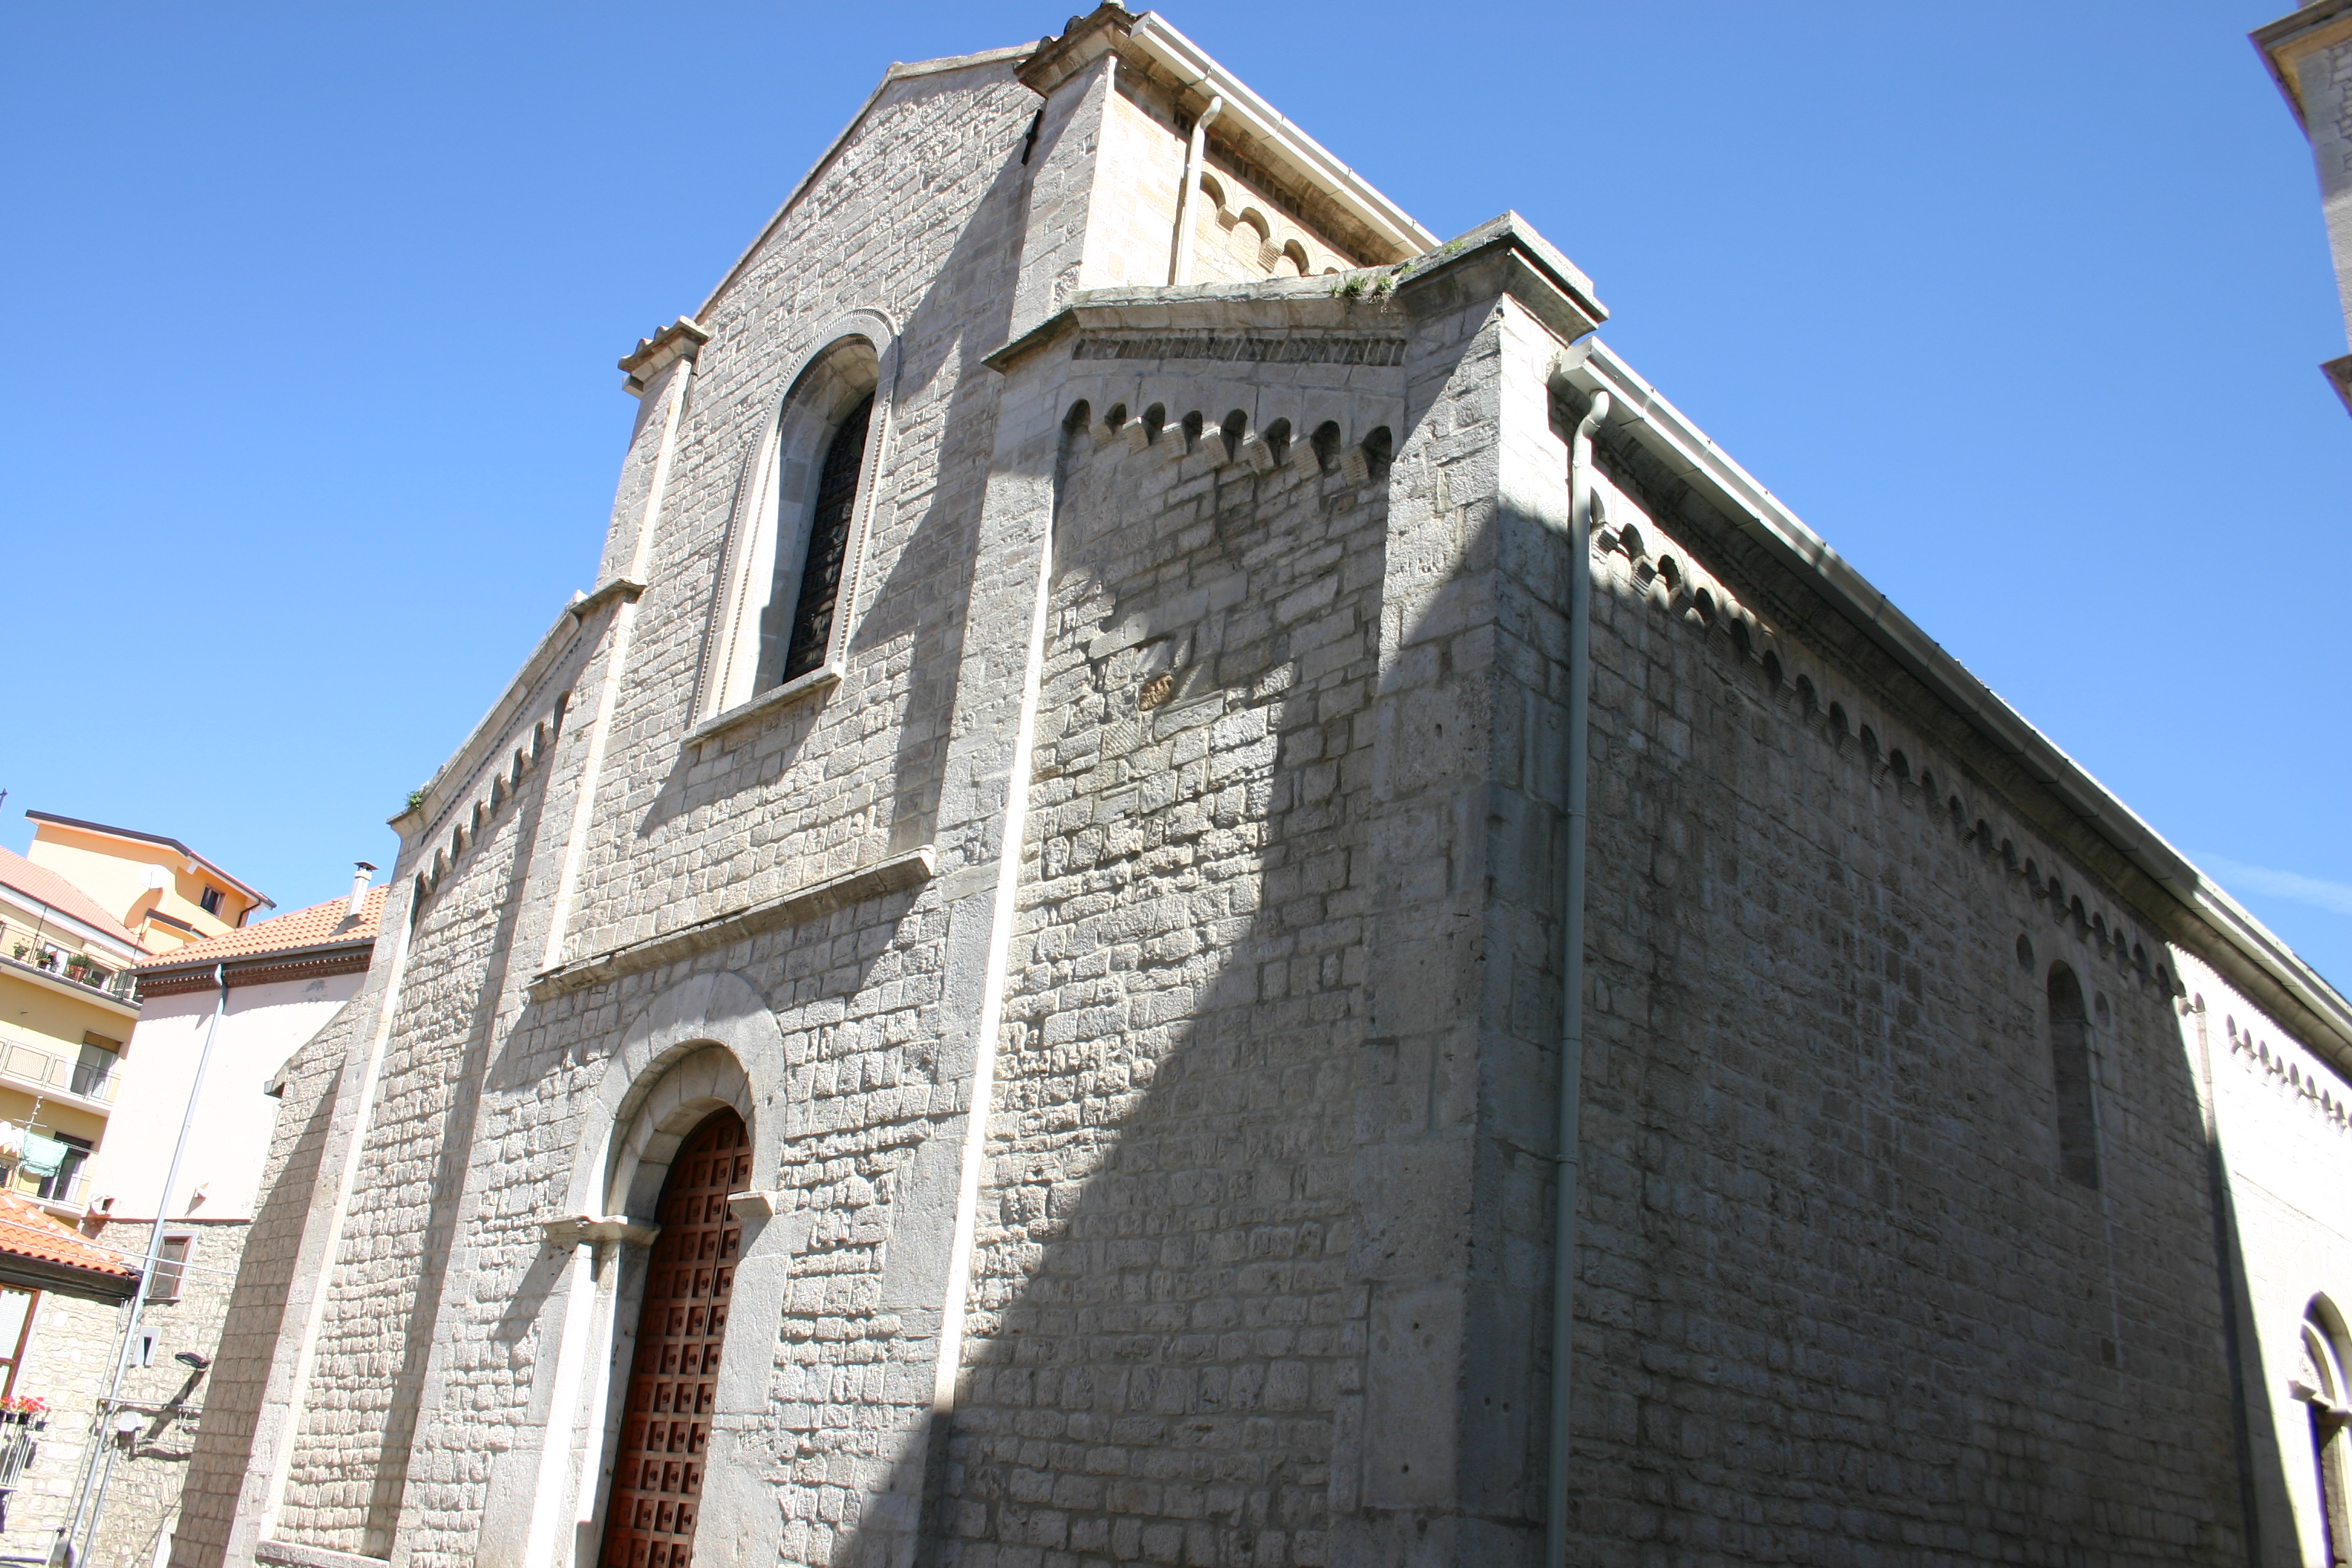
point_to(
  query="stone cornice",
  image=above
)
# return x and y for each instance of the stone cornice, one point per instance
(1501, 256)
(2283, 43)
(803, 903)
(682, 338)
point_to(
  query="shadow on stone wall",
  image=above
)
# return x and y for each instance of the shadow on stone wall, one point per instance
(1839, 1301)
(923, 599)
(1164, 1310)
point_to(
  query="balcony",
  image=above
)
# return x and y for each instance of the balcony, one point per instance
(65, 1194)
(35, 1068)
(120, 986)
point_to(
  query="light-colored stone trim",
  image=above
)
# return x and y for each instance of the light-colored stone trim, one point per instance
(298, 1555)
(825, 678)
(900, 871)
(580, 1229)
(626, 590)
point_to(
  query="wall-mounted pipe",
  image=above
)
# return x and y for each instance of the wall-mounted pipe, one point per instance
(80, 1531)
(1180, 270)
(1572, 969)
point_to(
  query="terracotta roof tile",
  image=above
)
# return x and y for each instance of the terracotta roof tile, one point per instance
(28, 1230)
(321, 925)
(40, 883)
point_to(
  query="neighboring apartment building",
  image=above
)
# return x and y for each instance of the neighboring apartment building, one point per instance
(68, 1001)
(286, 978)
(163, 891)
(79, 915)
(1025, 982)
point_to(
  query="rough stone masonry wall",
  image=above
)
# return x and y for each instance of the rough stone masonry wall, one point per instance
(1838, 1304)
(918, 218)
(2282, 1120)
(145, 1487)
(348, 1472)
(67, 1362)
(1163, 1316)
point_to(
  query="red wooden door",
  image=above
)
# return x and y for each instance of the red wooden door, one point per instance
(673, 1380)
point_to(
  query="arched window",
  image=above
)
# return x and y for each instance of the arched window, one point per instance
(673, 1384)
(2319, 1384)
(2069, 1062)
(791, 572)
(791, 648)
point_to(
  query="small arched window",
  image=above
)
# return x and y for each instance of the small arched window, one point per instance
(791, 576)
(2069, 1062)
(2319, 1385)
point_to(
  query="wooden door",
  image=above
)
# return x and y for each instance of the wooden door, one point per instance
(674, 1379)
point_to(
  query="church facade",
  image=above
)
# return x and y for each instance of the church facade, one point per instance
(1199, 888)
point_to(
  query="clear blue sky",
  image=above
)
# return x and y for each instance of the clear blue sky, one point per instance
(313, 421)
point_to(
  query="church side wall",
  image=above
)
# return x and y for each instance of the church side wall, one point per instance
(348, 1470)
(1837, 1297)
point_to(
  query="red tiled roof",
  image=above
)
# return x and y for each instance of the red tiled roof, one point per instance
(40, 883)
(321, 925)
(28, 1230)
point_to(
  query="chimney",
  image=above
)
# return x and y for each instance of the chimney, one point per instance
(359, 890)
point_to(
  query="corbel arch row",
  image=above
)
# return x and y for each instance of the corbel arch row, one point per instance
(1644, 566)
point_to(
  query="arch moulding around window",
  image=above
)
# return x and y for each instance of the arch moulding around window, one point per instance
(856, 354)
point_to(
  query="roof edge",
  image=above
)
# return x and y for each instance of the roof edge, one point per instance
(2292, 37)
(553, 643)
(896, 73)
(1153, 36)
(165, 969)
(1671, 436)
(138, 837)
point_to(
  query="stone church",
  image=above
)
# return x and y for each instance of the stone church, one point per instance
(1199, 888)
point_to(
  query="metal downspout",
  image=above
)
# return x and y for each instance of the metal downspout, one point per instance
(1571, 970)
(1180, 270)
(75, 1530)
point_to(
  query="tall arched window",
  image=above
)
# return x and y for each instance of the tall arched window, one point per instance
(2069, 1062)
(791, 571)
(2319, 1384)
(791, 648)
(673, 1384)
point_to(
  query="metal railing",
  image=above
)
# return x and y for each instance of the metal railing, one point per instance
(28, 1063)
(17, 954)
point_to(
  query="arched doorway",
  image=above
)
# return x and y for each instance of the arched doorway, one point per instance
(674, 1376)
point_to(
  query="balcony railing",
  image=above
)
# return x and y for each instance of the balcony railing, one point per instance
(120, 983)
(27, 1063)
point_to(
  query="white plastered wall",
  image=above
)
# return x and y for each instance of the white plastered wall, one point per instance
(229, 1140)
